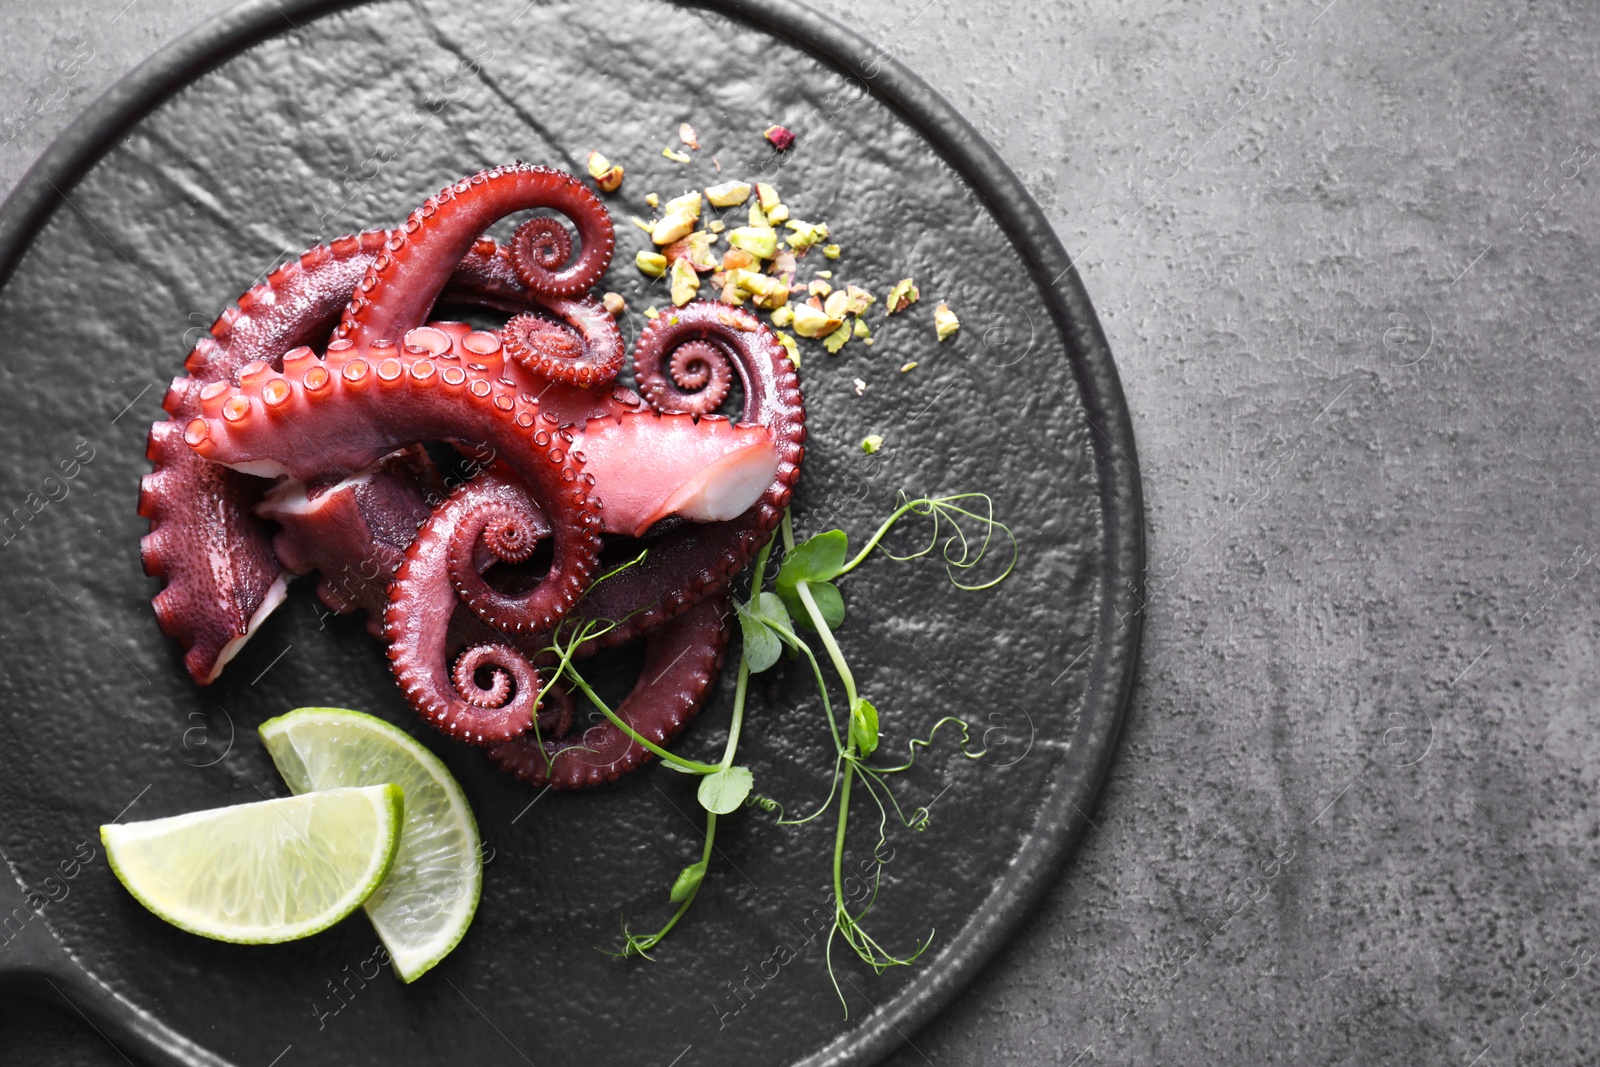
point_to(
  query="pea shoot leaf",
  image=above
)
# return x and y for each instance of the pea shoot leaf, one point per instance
(761, 646)
(817, 559)
(864, 725)
(829, 602)
(770, 607)
(689, 880)
(724, 791)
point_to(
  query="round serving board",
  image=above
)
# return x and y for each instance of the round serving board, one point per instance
(288, 123)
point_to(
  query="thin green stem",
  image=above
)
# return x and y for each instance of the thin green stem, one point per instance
(641, 946)
(738, 712)
(694, 766)
(792, 639)
(803, 589)
(883, 531)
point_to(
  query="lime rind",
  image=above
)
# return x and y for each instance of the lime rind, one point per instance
(265, 872)
(423, 910)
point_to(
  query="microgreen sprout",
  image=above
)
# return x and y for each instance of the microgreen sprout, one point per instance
(805, 595)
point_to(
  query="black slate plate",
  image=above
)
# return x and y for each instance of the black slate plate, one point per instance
(287, 123)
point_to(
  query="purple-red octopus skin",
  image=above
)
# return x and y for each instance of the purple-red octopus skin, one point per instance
(565, 454)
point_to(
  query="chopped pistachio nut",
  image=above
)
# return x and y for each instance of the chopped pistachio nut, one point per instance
(859, 300)
(867, 341)
(945, 322)
(790, 347)
(759, 241)
(688, 202)
(717, 226)
(614, 304)
(730, 293)
(783, 266)
(643, 225)
(819, 287)
(861, 386)
(651, 263)
(651, 313)
(767, 195)
(728, 194)
(673, 226)
(825, 274)
(653, 200)
(606, 175)
(783, 316)
(676, 157)
(901, 296)
(769, 292)
(805, 234)
(687, 135)
(831, 251)
(696, 248)
(737, 259)
(836, 340)
(813, 322)
(756, 216)
(909, 367)
(685, 282)
(861, 330)
(778, 214)
(751, 281)
(782, 139)
(837, 305)
(871, 443)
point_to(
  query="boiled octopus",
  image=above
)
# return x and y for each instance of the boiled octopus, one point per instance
(475, 490)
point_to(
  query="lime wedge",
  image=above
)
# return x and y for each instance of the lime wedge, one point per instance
(425, 907)
(261, 873)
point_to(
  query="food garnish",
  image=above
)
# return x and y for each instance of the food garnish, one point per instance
(901, 296)
(261, 873)
(606, 175)
(651, 263)
(423, 907)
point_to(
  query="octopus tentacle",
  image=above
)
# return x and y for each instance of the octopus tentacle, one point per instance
(507, 531)
(220, 576)
(407, 277)
(699, 374)
(692, 564)
(540, 245)
(681, 665)
(353, 532)
(589, 355)
(358, 405)
(416, 625)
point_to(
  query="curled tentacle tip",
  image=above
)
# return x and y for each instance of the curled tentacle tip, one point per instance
(464, 677)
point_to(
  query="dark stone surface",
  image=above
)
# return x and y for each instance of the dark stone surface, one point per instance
(1339, 251)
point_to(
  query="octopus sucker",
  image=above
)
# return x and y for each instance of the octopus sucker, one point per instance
(306, 438)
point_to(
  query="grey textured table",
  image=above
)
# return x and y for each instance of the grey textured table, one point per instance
(1338, 249)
